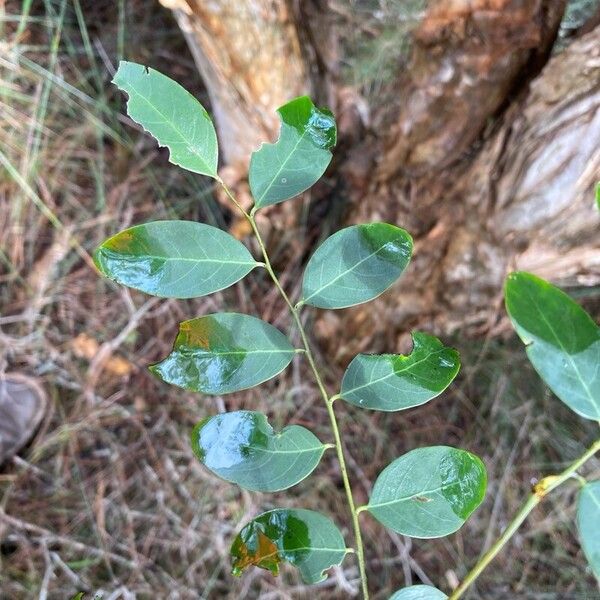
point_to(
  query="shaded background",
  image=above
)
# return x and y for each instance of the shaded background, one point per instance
(475, 125)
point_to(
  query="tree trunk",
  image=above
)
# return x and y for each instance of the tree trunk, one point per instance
(488, 157)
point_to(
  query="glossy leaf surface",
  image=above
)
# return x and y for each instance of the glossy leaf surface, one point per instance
(172, 115)
(224, 352)
(563, 342)
(394, 381)
(356, 265)
(298, 158)
(588, 523)
(174, 259)
(242, 447)
(428, 492)
(419, 592)
(304, 538)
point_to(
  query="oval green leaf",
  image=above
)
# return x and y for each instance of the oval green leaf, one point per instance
(174, 259)
(298, 158)
(588, 523)
(419, 592)
(428, 492)
(392, 382)
(171, 115)
(242, 447)
(356, 265)
(223, 353)
(563, 342)
(304, 538)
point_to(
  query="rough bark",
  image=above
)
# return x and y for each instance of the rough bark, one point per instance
(488, 157)
(524, 200)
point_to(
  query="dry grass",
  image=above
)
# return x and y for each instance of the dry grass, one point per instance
(109, 498)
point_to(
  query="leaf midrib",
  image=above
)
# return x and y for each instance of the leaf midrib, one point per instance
(568, 354)
(400, 500)
(180, 258)
(283, 164)
(392, 374)
(354, 266)
(193, 150)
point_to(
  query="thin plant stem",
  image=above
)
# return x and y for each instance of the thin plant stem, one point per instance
(540, 491)
(294, 310)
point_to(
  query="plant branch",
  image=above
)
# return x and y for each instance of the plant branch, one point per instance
(294, 310)
(540, 491)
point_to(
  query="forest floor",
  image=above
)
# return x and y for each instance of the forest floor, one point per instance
(109, 497)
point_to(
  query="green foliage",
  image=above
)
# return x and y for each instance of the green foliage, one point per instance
(242, 447)
(563, 342)
(304, 538)
(174, 259)
(395, 382)
(419, 592)
(356, 265)
(172, 115)
(588, 522)
(428, 492)
(223, 353)
(300, 156)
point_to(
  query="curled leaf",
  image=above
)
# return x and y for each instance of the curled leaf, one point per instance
(392, 382)
(304, 538)
(242, 447)
(223, 353)
(298, 158)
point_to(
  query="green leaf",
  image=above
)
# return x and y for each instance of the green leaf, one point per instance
(304, 538)
(598, 195)
(588, 522)
(225, 352)
(563, 342)
(298, 158)
(356, 265)
(172, 115)
(242, 447)
(395, 382)
(419, 592)
(428, 492)
(174, 259)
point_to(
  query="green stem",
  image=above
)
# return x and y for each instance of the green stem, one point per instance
(360, 553)
(540, 491)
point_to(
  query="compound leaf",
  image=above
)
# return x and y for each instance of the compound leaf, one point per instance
(392, 382)
(224, 352)
(563, 342)
(356, 265)
(419, 592)
(174, 259)
(304, 538)
(172, 115)
(298, 158)
(588, 523)
(242, 447)
(428, 492)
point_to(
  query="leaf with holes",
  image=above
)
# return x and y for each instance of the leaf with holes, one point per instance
(588, 523)
(298, 158)
(304, 538)
(419, 592)
(392, 382)
(174, 259)
(223, 353)
(428, 492)
(563, 342)
(356, 265)
(172, 115)
(242, 447)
